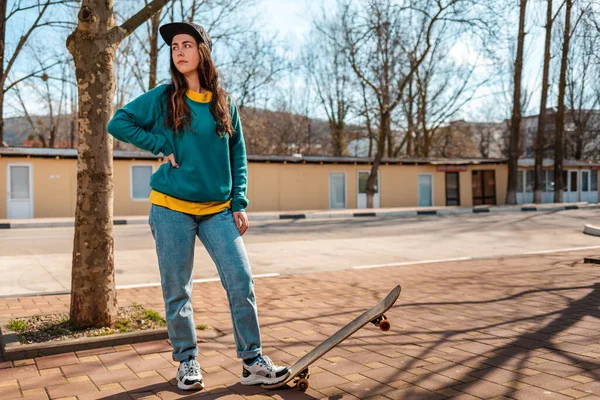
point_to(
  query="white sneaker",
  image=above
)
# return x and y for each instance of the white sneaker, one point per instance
(189, 376)
(263, 371)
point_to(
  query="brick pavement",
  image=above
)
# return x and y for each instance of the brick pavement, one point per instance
(518, 328)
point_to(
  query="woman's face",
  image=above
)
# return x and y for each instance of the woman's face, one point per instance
(184, 51)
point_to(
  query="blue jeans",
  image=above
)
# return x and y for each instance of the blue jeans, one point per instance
(175, 236)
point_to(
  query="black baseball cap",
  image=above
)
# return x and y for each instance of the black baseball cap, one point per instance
(168, 31)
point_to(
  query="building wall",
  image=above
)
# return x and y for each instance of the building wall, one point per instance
(123, 203)
(54, 185)
(272, 186)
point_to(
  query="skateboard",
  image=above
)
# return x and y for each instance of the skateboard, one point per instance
(299, 371)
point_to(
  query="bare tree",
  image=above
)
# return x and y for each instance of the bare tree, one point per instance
(540, 138)
(92, 45)
(560, 112)
(43, 8)
(582, 99)
(442, 90)
(515, 123)
(329, 70)
(386, 43)
(255, 64)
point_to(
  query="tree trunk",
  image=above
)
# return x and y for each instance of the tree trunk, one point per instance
(52, 141)
(384, 131)
(1, 118)
(337, 136)
(73, 121)
(93, 45)
(579, 132)
(154, 23)
(2, 49)
(93, 294)
(73, 130)
(410, 121)
(515, 125)
(560, 112)
(540, 139)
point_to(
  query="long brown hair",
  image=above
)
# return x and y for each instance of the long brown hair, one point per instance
(178, 111)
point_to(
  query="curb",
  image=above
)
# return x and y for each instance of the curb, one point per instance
(331, 215)
(591, 230)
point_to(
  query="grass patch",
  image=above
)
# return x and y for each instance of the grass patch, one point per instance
(202, 327)
(153, 316)
(55, 327)
(17, 325)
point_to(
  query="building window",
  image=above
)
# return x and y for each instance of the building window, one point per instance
(140, 181)
(594, 180)
(362, 182)
(529, 181)
(585, 184)
(548, 184)
(520, 181)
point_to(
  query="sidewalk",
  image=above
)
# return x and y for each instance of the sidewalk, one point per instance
(518, 327)
(320, 214)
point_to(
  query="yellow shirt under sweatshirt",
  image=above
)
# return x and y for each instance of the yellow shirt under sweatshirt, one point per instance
(184, 206)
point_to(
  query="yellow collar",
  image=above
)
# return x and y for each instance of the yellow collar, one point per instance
(199, 97)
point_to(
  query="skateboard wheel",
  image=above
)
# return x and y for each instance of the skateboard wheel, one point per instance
(385, 325)
(302, 385)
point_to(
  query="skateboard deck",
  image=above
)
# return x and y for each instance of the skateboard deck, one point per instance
(375, 315)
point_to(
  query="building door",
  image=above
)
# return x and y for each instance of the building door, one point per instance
(585, 186)
(361, 201)
(425, 190)
(571, 187)
(452, 189)
(484, 187)
(19, 191)
(337, 190)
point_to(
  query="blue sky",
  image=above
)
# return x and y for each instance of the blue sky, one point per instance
(291, 20)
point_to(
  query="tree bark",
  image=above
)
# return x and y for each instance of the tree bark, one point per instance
(154, 24)
(93, 45)
(2, 48)
(410, 120)
(338, 138)
(560, 112)
(515, 125)
(538, 173)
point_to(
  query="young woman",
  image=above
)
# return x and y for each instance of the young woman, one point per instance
(200, 190)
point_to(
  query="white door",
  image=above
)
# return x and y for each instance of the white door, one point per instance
(361, 201)
(19, 191)
(571, 187)
(425, 190)
(585, 185)
(337, 190)
(593, 197)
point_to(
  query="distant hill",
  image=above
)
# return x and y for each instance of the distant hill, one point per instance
(266, 132)
(18, 129)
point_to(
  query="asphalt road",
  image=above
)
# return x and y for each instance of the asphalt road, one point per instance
(39, 260)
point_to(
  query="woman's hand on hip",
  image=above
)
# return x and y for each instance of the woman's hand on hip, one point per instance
(241, 221)
(171, 158)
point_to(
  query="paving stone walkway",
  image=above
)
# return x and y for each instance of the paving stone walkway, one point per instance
(518, 328)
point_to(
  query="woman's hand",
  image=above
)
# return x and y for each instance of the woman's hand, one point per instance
(171, 158)
(241, 221)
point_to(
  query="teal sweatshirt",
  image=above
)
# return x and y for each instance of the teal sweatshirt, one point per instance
(211, 168)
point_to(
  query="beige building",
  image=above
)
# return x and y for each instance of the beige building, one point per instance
(42, 183)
